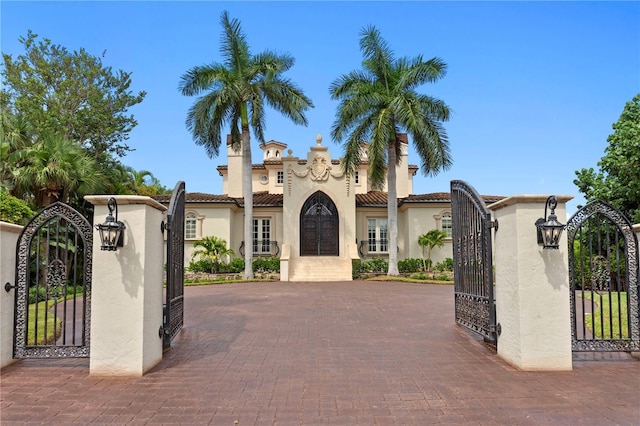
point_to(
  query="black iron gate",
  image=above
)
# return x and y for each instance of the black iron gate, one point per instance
(53, 285)
(174, 299)
(603, 278)
(473, 265)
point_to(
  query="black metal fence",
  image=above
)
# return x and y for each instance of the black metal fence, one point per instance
(53, 285)
(603, 276)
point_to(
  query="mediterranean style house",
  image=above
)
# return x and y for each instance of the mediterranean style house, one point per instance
(312, 216)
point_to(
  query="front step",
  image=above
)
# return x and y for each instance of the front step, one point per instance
(320, 268)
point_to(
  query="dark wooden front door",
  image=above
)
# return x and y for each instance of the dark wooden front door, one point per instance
(319, 226)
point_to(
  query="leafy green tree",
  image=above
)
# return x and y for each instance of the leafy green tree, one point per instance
(618, 179)
(56, 169)
(14, 210)
(213, 250)
(234, 93)
(378, 104)
(70, 94)
(430, 240)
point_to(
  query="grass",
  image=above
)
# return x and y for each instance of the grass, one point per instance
(408, 280)
(610, 315)
(52, 328)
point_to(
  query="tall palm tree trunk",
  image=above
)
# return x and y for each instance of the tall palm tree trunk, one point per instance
(247, 193)
(392, 210)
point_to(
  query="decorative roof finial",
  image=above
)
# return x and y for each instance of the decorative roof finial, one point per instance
(319, 139)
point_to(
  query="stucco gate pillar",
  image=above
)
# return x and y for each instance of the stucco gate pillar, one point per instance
(532, 287)
(9, 234)
(126, 293)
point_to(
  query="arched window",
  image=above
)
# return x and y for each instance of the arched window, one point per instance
(446, 224)
(190, 226)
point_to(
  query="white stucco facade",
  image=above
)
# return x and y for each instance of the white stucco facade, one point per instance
(283, 182)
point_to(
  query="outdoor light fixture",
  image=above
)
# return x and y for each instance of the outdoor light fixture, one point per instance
(111, 230)
(549, 229)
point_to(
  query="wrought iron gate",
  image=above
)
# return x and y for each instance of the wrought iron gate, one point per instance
(174, 299)
(473, 265)
(53, 285)
(603, 278)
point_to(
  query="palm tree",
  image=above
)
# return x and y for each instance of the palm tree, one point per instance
(143, 182)
(235, 95)
(378, 104)
(213, 249)
(56, 169)
(430, 240)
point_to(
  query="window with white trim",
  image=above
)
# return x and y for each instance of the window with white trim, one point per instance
(261, 236)
(377, 237)
(446, 224)
(190, 226)
(280, 177)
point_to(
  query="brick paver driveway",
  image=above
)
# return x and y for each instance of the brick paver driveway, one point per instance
(324, 353)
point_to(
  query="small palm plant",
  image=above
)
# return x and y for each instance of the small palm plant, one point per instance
(430, 240)
(213, 250)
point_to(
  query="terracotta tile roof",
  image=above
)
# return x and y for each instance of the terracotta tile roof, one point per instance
(197, 197)
(370, 199)
(272, 142)
(263, 199)
(378, 199)
(444, 197)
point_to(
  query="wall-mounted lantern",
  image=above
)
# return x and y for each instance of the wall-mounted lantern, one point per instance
(111, 233)
(549, 229)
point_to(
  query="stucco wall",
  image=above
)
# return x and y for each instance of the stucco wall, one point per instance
(301, 183)
(9, 234)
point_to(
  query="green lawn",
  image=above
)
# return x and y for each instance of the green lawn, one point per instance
(611, 312)
(52, 329)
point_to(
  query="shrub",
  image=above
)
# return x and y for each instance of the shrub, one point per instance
(410, 265)
(442, 278)
(356, 268)
(37, 294)
(14, 210)
(236, 265)
(445, 265)
(419, 276)
(266, 264)
(374, 265)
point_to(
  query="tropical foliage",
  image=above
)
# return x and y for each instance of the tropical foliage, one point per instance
(212, 251)
(64, 126)
(618, 179)
(236, 93)
(430, 240)
(379, 104)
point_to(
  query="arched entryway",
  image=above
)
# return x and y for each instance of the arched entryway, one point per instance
(319, 229)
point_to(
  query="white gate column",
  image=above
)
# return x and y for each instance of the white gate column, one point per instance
(9, 234)
(532, 287)
(126, 295)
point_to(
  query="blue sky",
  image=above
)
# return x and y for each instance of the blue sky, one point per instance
(527, 81)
